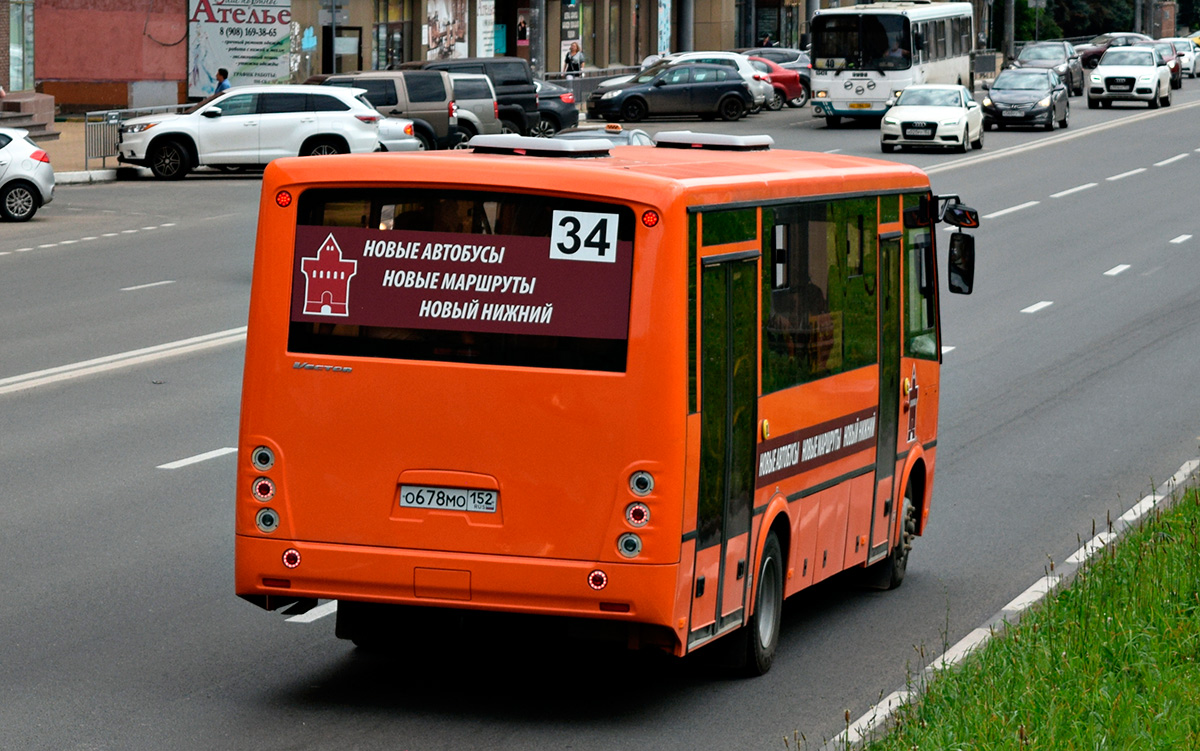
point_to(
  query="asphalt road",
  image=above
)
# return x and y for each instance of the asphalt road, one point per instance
(119, 628)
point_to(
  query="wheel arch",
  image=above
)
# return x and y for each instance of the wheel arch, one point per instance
(775, 518)
(916, 473)
(336, 138)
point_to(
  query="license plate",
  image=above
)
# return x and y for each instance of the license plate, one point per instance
(1013, 114)
(860, 105)
(920, 132)
(450, 499)
(1120, 88)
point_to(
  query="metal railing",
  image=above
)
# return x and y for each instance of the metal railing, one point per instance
(583, 83)
(101, 130)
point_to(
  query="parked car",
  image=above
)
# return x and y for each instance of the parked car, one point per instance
(941, 115)
(1026, 97)
(1137, 74)
(679, 89)
(1189, 55)
(789, 59)
(512, 79)
(1090, 53)
(786, 83)
(424, 96)
(396, 134)
(248, 126)
(760, 88)
(478, 110)
(26, 177)
(1060, 57)
(613, 132)
(556, 105)
(1174, 61)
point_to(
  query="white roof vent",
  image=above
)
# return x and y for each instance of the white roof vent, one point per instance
(686, 139)
(547, 147)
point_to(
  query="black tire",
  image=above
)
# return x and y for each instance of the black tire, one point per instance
(978, 143)
(19, 201)
(801, 100)
(833, 121)
(465, 134)
(425, 143)
(1106, 104)
(508, 126)
(776, 102)
(1066, 118)
(761, 632)
(965, 146)
(1167, 102)
(1049, 122)
(731, 108)
(633, 110)
(545, 128)
(889, 573)
(987, 125)
(169, 160)
(1156, 101)
(1093, 104)
(887, 148)
(322, 147)
(1177, 84)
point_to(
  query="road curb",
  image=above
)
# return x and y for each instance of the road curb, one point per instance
(86, 177)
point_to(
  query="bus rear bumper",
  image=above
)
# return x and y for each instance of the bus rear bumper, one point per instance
(641, 593)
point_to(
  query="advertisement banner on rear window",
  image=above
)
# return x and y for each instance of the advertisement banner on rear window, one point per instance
(575, 283)
(251, 39)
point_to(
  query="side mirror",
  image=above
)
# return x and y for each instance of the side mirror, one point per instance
(973, 105)
(987, 86)
(658, 83)
(960, 216)
(891, 102)
(212, 112)
(960, 265)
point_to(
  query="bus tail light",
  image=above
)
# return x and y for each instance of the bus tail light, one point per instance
(291, 558)
(283, 199)
(650, 218)
(267, 520)
(263, 458)
(597, 580)
(263, 489)
(637, 514)
(629, 544)
(641, 483)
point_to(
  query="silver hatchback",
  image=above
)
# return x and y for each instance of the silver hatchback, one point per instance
(26, 177)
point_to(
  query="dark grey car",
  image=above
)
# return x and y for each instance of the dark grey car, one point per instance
(1057, 56)
(1021, 97)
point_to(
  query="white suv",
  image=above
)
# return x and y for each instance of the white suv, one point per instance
(249, 126)
(1130, 74)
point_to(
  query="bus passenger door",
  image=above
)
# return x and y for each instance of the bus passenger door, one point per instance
(882, 513)
(728, 407)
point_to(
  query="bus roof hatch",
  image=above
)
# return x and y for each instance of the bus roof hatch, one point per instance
(686, 139)
(550, 147)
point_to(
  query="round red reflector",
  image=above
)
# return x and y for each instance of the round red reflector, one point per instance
(597, 580)
(291, 558)
(637, 514)
(264, 489)
(650, 218)
(283, 199)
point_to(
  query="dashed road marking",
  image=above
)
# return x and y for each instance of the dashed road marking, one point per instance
(1181, 239)
(1069, 191)
(1175, 158)
(215, 453)
(1011, 209)
(316, 613)
(1117, 269)
(947, 349)
(1037, 306)
(147, 286)
(1124, 175)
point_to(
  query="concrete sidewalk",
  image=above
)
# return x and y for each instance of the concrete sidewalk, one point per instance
(68, 158)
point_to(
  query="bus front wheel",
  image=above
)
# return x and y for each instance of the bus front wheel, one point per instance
(761, 633)
(889, 573)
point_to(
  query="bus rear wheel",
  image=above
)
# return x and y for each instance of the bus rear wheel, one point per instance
(889, 573)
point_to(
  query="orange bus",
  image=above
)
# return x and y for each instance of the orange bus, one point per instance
(651, 389)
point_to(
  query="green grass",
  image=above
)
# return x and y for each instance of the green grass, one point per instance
(1110, 662)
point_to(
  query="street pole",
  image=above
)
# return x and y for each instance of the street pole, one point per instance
(1137, 16)
(537, 40)
(1009, 31)
(333, 35)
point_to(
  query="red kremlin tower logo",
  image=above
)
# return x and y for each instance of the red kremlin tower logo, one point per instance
(327, 281)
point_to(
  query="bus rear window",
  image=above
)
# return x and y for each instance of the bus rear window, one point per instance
(462, 276)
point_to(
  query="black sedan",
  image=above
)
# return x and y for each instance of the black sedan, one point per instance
(1023, 96)
(556, 105)
(684, 89)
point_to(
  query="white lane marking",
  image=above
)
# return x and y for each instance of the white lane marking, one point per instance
(1117, 269)
(154, 227)
(167, 224)
(89, 237)
(147, 286)
(1181, 239)
(962, 648)
(316, 613)
(947, 349)
(67, 242)
(5, 252)
(1036, 592)
(1124, 175)
(47, 245)
(1011, 209)
(1069, 191)
(1175, 158)
(109, 234)
(1037, 306)
(124, 359)
(1140, 508)
(1090, 547)
(834, 151)
(198, 458)
(128, 231)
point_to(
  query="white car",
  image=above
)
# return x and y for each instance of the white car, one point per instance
(26, 177)
(396, 134)
(1137, 74)
(942, 115)
(248, 126)
(1189, 55)
(760, 88)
